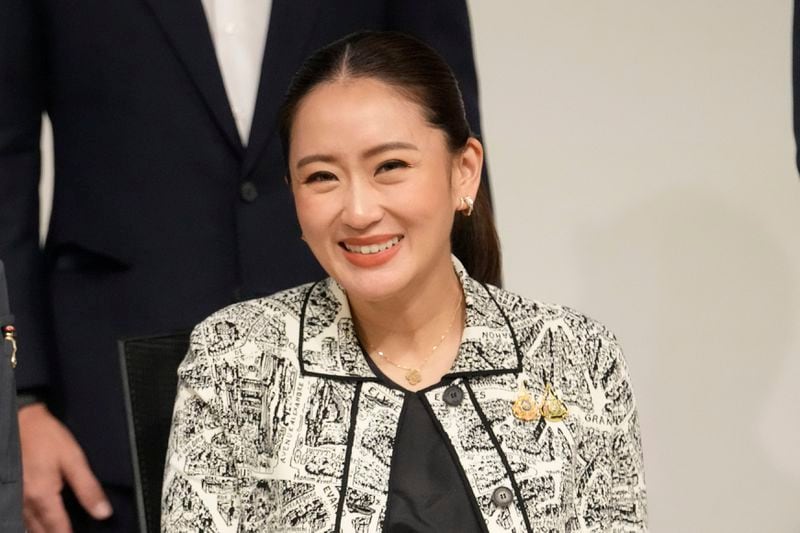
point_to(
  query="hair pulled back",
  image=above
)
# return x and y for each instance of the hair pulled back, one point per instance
(419, 72)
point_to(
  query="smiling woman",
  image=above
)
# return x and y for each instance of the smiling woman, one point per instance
(377, 197)
(406, 392)
(422, 91)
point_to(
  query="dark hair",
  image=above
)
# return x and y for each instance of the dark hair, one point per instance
(416, 70)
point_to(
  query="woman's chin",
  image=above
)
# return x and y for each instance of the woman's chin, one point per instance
(373, 284)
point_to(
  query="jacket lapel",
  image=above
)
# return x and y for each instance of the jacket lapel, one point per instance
(290, 26)
(186, 27)
(489, 344)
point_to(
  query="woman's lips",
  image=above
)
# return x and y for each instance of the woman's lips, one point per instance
(371, 248)
(367, 252)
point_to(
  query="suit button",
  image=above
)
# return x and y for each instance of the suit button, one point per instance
(453, 395)
(248, 191)
(502, 497)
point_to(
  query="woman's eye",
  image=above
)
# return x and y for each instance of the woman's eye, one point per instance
(391, 165)
(319, 177)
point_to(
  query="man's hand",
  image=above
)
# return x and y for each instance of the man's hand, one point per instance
(51, 456)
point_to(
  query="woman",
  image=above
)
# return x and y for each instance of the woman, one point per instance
(405, 392)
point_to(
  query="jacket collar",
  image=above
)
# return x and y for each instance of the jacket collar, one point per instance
(328, 345)
(186, 28)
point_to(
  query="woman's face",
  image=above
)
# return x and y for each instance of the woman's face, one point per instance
(376, 186)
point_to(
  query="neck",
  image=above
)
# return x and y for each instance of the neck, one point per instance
(408, 324)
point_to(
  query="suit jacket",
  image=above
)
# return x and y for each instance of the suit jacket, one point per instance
(160, 215)
(281, 425)
(10, 471)
(796, 78)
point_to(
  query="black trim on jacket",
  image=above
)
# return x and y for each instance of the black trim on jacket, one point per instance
(347, 455)
(514, 486)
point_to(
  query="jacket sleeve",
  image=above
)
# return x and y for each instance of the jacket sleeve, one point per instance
(628, 492)
(445, 25)
(201, 485)
(22, 83)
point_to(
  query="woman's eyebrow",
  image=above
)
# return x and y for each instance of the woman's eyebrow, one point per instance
(315, 157)
(398, 145)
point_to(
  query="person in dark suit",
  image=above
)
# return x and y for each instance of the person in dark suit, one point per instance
(169, 200)
(796, 78)
(10, 471)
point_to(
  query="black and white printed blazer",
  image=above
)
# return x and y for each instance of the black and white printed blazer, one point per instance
(281, 425)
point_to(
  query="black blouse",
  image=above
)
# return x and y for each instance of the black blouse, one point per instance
(426, 490)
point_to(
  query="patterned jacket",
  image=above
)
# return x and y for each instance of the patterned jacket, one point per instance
(281, 425)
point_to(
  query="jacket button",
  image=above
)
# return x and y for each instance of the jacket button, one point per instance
(453, 395)
(248, 191)
(502, 497)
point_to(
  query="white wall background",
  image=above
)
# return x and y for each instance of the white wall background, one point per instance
(641, 158)
(642, 165)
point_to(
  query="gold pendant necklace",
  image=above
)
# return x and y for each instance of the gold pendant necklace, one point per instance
(414, 375)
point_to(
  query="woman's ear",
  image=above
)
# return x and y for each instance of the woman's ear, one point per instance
(468, 165)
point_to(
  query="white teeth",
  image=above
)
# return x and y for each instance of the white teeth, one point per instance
(372, 248)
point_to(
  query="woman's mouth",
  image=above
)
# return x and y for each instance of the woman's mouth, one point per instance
(370, 249)
(370, 252)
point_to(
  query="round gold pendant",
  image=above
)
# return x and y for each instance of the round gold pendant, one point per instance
(525, 408)
(413, 376)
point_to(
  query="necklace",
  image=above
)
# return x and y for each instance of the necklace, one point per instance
(414, 375)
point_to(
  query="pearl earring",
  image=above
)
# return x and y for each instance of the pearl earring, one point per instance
(467, 204)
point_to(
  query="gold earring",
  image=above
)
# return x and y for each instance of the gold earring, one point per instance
(467, 204)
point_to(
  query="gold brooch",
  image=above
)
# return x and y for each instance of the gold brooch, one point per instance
(526, 409)
(553, 409)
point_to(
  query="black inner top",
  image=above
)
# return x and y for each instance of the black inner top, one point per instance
(426, 489)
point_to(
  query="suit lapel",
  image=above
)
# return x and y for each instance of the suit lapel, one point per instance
(186, 27)
(290, 25)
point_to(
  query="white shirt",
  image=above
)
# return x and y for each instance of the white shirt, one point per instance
(239, 31)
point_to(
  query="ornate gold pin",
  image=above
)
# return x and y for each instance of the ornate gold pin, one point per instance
(524, 407)
(553, 409)
(10, 334)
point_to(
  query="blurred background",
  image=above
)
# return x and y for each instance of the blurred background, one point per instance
(642, 165)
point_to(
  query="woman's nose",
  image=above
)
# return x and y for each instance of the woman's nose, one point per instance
(362, 206)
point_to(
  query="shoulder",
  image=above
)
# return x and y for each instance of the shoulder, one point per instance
(545, 331)
(234, 346)
(528, 312)
(258, 321)
(552, 335)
